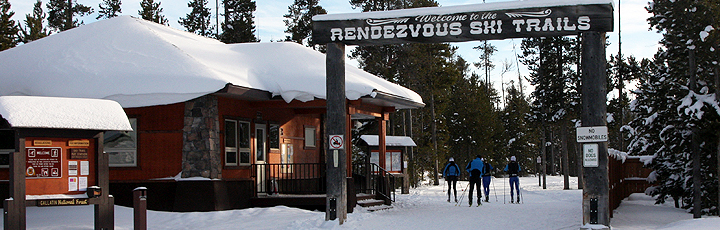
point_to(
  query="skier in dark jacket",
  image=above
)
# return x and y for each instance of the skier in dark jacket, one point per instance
(486, 178)
(513, 168)
(475, 168)
(451, 174)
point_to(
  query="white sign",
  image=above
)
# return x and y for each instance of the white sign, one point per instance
(590, 155)
(592, 134)
(337, 142)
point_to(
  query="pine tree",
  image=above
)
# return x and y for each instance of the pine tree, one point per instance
(687, 119)
(198, 20)
(299, 21)
(556, 97)
(8, 29)
(519, 136)
(238, 25)
(58, 18)
(151, 11)
(34, 28)
(109, 9)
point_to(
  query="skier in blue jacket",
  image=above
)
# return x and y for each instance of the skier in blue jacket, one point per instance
(475, 168)
(486, 177)
(513, 168)
(451, 174)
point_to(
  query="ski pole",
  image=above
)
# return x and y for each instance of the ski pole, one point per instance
(462, 195)
(520, 194)
(494, 189)
(503, 192)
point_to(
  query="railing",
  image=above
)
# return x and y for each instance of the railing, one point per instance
(297, 178)
(373, 179)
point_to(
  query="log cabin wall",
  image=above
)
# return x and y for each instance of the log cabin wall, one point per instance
(160, 141)
(291, 123)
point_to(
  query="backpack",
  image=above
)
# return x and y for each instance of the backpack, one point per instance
(486, 168)
(513, 168)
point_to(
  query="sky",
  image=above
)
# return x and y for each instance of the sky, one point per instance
(637, 39)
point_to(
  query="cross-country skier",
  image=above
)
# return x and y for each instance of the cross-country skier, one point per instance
(486, 177)
(475, 168)
(513, 168)
(451, 173)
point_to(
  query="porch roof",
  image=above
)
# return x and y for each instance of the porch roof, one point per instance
(63, 113)
(397, 141)
(140, 63)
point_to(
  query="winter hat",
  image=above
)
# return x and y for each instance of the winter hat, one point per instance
(451, 159)
(512, 158)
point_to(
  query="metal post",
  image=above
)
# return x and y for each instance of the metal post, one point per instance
(594, 109)
(336, 201)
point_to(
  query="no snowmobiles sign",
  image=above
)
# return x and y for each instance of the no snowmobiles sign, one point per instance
(465, 23)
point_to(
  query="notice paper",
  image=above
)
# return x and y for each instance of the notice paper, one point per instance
(72, 183)
(82, 183)
(72, 168)
(84, 168)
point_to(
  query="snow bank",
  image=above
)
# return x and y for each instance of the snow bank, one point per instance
(63, 113)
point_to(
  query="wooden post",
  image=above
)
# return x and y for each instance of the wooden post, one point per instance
(336, 200)
(15, 210)
(596, 202)
(105, 209)
(382, 147)
(140, 208)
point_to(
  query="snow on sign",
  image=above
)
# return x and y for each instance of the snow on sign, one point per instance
(337, 142)
(488, 21)
(592, 134)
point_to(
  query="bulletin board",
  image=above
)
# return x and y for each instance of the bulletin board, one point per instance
(59, 165)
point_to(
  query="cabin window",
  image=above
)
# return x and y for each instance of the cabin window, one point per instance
(237, 143)
(121, 146)
(310, 137)
(274, 136)
(5, 157)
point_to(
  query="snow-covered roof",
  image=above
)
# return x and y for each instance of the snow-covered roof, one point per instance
(140, 63)
(398, 141)
(480, 7)
(63, 113)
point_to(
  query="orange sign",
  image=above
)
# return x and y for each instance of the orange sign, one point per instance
(42, 142)
(79, 143)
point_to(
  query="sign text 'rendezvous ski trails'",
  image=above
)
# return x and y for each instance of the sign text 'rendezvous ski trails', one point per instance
(467, 26)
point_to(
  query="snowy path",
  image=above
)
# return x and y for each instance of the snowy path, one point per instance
(424, 208)
(427, 208)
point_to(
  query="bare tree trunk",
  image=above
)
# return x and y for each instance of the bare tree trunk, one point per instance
(565, 163)
(697, 182)
(434, 139)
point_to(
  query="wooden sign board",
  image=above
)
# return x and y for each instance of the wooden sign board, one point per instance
(489, 21)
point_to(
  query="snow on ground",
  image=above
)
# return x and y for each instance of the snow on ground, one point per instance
(424, 208)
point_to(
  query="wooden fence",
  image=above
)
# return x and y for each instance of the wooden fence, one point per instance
(627, 176)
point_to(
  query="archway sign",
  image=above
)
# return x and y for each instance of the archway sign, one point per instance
(517, 19)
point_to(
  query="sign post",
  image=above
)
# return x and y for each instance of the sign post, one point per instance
(591, 18)
(336, 165)
(596, 187)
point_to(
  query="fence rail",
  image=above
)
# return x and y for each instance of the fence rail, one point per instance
(296, 178)
(375, 180)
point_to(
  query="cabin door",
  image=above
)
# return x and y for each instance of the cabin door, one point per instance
(261, 158)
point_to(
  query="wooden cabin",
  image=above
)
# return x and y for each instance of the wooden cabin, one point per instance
(215, 125)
